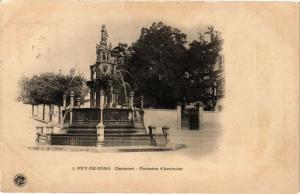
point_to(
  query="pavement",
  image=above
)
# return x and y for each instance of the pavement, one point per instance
(111, 149)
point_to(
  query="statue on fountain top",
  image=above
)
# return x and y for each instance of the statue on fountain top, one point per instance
(102, 49)
(104, 35)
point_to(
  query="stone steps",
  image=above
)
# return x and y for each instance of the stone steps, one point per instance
(127, 140)
(109, 139)
(125, 131)
(115, 134)
(82, 131)
(74, 139)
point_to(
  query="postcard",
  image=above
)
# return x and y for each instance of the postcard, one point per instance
(153, 96)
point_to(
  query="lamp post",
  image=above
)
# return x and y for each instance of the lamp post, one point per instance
(100, 126)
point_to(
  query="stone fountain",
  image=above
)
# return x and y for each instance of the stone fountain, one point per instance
(105, 122)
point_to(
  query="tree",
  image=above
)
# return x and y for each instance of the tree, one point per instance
(203, 55)
(165, 71)
(156, 61)
(121, 53)
(48, 88)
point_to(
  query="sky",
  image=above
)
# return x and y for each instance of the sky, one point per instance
(64, 35)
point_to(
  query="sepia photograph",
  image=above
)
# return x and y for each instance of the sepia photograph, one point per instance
(139, 95)
(149, 97)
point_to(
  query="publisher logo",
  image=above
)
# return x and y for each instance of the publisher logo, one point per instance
(20, 180)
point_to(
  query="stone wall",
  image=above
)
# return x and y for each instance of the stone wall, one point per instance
(210, 116)
(211, 120)
(160, 117)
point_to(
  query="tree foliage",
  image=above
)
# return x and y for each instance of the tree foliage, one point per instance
(157, 64)
(203, 56)
(48, 88)
(163, 65)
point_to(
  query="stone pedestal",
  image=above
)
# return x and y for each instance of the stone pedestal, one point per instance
(39, 132)
(152, 133)
(100, 126)
(100, 134)
(48, 132)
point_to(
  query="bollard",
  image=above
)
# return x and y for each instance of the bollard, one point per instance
(152, 133)
(48, 132)
(39, 132)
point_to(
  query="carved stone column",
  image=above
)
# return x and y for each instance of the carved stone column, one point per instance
(131, 105)
(100, 126)
(131, 95)
(64, 101)
(78, 100)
